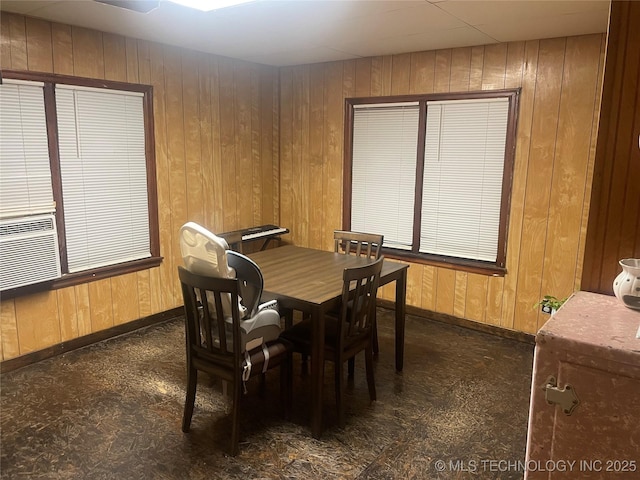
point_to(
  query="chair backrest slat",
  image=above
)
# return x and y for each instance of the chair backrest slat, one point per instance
(357, 243)
(206, 327)
(360, 286)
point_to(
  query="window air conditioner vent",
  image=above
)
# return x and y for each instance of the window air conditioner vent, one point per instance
(28, 251)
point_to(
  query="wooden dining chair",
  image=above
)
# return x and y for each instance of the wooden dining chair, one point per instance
(349, 331)
(361, 245)
(357, 243)
(214, 345)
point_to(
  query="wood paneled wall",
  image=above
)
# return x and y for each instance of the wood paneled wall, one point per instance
(559, 107)
(614, 220)
(216, 135)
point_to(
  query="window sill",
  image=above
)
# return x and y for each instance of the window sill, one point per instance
(471, 266)
(71, 279)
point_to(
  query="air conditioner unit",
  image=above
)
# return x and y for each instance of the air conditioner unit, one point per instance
(28, 251)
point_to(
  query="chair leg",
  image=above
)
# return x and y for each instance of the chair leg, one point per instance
(235, 416)
(288, 317)
(304, 367)
(352, 366)
(286, 384)
(192, 381)
(368, 352)
(263, 384)
(339, 379)
(374, 332)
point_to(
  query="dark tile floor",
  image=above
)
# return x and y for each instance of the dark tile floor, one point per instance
(113, 411)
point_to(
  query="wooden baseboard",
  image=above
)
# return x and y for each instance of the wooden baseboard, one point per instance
(462, 322)
(52, 351)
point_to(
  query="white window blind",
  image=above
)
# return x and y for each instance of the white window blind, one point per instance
(104, 177)
(462, 190)
(25, 174)
(385, 142)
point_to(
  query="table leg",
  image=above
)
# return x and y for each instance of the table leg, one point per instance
(401, 302)
(317, 370)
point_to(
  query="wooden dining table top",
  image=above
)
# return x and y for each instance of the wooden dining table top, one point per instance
(309, 275)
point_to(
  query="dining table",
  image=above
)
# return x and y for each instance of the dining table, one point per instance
(310, 280)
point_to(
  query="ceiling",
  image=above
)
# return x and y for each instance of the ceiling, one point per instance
(286, 32)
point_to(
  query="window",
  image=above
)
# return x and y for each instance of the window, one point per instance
(433, 174)
(77, 167)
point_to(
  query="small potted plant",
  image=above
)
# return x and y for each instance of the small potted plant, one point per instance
(550, 304)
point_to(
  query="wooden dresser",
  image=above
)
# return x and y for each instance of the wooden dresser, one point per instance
(584, 414)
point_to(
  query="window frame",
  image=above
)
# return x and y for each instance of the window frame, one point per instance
(69, 279)
(497, 268)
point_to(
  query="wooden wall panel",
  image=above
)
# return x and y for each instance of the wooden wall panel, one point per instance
(477, 67)
(131, 55)
(227, 141)
(9, 342)
(422, 72)
(62, 49)
(144, 293)
(494, 77)
(495, 290)
(376, 76)
(269, 145)
(125, 298)
(242, 140)
(39, 49)
(18, 41)
(300, 154)
(442, 72)
(363, 77)
(37, 327)
(100, 304)
(526, 55)
(333, 148)
(211, 196)
(401, 74)
(83, 309)
(540, 169)
(460, 69)
(194, 193)
(445, 290)
(256, 130)
(162, 295)
(614, 222)
(316, 147)
(460, 294)
(211, 114)
(495, 62)
(68, 313)
(560, 94)
(476, 302)
(88, 57)
(413, 288)
(175, 131)
(5, 43)
(566, 202)
(115, 57)
(428, 286)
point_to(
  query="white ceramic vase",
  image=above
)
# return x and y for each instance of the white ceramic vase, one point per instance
(626, 286)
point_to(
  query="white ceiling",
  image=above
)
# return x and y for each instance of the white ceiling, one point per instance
(288, 32)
